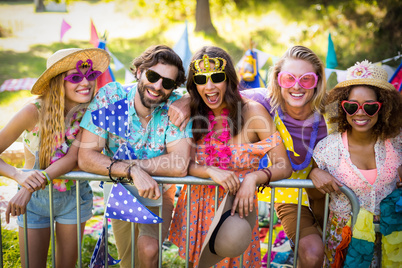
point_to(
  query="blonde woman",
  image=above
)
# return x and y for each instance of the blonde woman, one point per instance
(50, 127)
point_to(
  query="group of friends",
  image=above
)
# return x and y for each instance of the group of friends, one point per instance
(348, 136)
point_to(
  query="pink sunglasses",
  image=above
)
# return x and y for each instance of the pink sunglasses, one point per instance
(78, 77)
(306, 81)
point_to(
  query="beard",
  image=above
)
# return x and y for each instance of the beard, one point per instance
(150, 103)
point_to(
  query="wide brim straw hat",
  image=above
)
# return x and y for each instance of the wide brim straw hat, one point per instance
(66, 59)
(366, 73)
(228, 235)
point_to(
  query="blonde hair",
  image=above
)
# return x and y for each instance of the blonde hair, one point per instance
(298, 53)
(51, 119)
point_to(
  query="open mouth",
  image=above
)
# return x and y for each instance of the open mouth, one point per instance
(212, 97)
(152, 94)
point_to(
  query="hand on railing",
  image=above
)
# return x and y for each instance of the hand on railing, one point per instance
(324, 182)
(225, 178)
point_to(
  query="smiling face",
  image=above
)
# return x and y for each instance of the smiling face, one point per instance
(296, 97)
(212, 94)
(153, 94)
(78, 93)
(360, 121)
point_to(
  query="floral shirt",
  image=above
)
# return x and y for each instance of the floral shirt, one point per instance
(31, 139)
(146, 142)
(331, 155)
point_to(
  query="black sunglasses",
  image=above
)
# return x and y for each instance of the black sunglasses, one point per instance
(154, 77)
(216, 77)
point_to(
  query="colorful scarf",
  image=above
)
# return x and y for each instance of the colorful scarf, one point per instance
(360, 248)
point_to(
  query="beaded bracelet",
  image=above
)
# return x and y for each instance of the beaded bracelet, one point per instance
(128, 168)
(266, 184)
(110, 169)
(47, 176)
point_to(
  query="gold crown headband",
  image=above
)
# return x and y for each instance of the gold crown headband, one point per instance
(218, 66)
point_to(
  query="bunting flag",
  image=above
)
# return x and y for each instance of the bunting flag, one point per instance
(98, 257)
(123, 205)
(396, 79)
(331, 55)
(182, 48)
(94, 35)
(117, 64)
(128, 77)
(107, 75)
(64, 28)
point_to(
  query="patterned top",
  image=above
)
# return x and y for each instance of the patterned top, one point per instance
(293, 133)
(331, 155)
(31, 139)
(244, 159)
(146, 142)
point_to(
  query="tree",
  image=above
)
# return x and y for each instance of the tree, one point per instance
(203, 21)
(39, 6)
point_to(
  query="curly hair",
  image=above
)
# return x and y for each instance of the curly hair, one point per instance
(159, 54)
(51, 119)
(298, 53)
(232, 96)
(386, 127)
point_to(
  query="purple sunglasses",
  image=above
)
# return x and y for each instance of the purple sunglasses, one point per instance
(78, 77)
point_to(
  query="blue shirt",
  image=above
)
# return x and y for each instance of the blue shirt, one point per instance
(112, 116)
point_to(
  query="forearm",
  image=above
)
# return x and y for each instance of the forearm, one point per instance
(61, 166)
(9, 171)
(172, 164)
(97, 163)
(198, 170)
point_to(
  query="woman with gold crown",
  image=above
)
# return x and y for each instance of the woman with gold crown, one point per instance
(231, 135)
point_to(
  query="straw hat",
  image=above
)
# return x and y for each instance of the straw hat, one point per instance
(66, 59)
(228, 235)
(366, 73)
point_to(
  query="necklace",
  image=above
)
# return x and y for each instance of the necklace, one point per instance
(222, 157)
(310, 148)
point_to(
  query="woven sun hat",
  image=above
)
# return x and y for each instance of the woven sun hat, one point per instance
(228, 236)
(66, 59)
(366, 73)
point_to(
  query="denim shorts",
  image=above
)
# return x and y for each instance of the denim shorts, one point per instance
(64, 207)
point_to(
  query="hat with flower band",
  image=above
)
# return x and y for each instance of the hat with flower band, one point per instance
(366, 73)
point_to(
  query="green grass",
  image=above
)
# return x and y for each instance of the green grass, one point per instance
(12, 259)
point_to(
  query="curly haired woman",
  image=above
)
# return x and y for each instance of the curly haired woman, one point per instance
(365, 153)
(50, 127)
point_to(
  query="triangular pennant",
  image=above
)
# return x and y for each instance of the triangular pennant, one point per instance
(113, 118)
(122, 205)
(117, 64)
(64, 28)
(128, 77)
(94, 35)
(125, 151)
(331, 55)
(98, 257)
